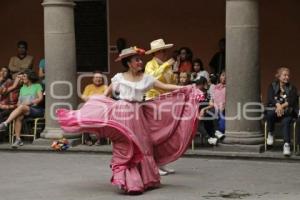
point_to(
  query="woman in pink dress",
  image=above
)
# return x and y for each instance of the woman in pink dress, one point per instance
(145, 134)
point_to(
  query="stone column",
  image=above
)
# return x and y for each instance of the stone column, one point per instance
(60, 56)
(242, 74)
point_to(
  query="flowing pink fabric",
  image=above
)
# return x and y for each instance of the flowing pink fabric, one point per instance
(144, 135)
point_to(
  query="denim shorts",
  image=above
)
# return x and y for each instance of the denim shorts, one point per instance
(36, 112)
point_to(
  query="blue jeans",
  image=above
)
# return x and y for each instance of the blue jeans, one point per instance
(215, 122)
(221, 121)
(36, 112)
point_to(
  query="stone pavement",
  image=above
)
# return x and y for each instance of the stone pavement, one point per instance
(78, 176)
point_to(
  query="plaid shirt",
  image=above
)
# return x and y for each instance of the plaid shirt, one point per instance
(10, 98)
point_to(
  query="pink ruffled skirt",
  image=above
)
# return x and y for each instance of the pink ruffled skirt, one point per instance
(144, 135)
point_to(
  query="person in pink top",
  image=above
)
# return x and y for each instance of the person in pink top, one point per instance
(218, 96)
(143, 136)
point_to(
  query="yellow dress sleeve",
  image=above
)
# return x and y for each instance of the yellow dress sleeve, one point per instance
(157, 72)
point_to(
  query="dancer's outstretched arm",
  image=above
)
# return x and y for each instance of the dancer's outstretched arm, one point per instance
(164, 86)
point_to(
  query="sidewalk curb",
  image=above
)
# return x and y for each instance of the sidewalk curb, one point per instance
(211, 154)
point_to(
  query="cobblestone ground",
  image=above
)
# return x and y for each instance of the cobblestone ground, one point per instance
(69, 176)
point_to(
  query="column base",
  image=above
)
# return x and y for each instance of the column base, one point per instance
(243, 138)
(240, 148)
(57, 133)
(50, 134)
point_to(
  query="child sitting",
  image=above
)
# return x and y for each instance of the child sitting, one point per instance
(184, 78)
(206, 123)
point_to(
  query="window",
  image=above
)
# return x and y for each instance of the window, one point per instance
(91, 35)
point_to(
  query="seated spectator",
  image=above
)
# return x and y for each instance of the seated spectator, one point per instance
(184, 78)
(42, 70)
(28, 104)
(176, 57)
(206, 123)
(198, 71)
(185, 61)
(5, 77)
(176, 78)
(9, 93)
(22, 61)
(4, 81)
(96, 88)
(283, 103)
(218, 96)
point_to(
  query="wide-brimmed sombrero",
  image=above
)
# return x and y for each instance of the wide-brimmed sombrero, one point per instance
(130, 52)
(158, 45)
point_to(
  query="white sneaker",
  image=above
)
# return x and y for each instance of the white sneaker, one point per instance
(168, 170)
(212, 141)
(286, 149)
(17, 143)
(162, 173)
(270, 139)
(219, 134)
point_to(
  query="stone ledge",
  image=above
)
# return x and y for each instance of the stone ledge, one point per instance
(201, 153)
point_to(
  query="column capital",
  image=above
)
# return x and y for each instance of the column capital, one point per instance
(62, 3)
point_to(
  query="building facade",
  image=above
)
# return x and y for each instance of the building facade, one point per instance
(261, 36)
